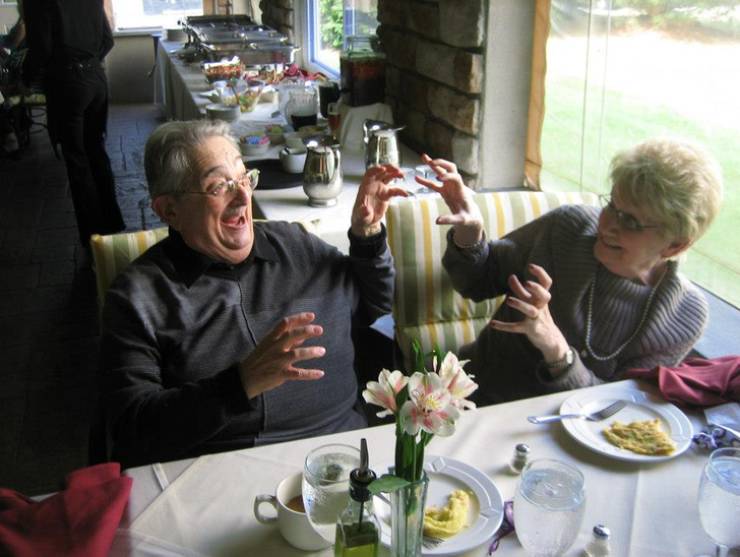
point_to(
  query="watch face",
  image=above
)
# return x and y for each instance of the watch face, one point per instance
(567, 361)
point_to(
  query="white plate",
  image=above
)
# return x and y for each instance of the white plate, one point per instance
(446, 475)
(640, 406)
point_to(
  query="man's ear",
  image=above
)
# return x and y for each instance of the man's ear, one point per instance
(166, 208)
(676, 247)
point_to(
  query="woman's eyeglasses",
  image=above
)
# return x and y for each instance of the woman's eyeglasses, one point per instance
(625, 220)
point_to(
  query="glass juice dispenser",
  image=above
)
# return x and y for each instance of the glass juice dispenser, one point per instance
(362, 72)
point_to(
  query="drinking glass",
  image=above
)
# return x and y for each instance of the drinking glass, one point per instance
(719, 499)
(548, 507)
(326, 485)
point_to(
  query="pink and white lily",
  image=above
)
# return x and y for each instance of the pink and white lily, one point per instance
(456, 381)
(383, 391)
(429, 407)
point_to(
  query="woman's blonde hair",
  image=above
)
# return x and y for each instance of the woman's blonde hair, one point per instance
(678, 182)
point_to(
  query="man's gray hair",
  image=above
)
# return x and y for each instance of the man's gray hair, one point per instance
(170, 154)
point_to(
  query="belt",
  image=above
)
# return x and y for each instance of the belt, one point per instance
(86, 65)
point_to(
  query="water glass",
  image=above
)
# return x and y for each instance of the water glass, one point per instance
(548, 507)
(326, 485)
(719, 499)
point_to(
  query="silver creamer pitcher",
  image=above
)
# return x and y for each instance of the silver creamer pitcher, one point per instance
(381, 143)
(322, 174)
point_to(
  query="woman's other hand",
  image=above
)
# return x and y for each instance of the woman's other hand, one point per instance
(532, 299)
(464, 215)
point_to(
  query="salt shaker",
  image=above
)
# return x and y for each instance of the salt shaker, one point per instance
(599, 544)
(519, 460)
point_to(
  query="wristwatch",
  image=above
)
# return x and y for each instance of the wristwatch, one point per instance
(564, 362)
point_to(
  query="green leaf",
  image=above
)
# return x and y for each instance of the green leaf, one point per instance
(386, 483)
(418, 356)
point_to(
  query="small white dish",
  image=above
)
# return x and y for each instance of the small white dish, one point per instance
(228, 113)
(641, 405)
(445, 474)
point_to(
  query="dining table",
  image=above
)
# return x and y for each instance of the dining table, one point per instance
(204, 505)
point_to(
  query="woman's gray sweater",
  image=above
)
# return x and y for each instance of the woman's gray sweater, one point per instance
(508, 367)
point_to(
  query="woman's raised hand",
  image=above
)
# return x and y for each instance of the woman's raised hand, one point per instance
(464, 213)
(532, 300)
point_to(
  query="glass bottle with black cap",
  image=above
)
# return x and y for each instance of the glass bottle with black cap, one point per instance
(358, 530)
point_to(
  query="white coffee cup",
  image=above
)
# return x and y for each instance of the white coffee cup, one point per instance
(293, 159)
(294, 526)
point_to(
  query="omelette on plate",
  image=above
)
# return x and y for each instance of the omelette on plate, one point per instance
(644, 437)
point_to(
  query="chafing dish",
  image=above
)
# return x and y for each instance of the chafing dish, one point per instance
(237, 35)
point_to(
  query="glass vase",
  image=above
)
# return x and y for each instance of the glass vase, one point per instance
(407, 518)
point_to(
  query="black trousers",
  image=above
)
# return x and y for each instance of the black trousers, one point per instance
(77, 103)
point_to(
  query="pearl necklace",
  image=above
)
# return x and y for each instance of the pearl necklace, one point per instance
(589, 316)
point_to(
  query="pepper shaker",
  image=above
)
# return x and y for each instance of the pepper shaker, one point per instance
(599, 544)
(519, 460)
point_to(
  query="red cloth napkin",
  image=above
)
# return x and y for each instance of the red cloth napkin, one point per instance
(696, 381)
(79, 521)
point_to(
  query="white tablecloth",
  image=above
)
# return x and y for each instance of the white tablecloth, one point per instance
(204, 506)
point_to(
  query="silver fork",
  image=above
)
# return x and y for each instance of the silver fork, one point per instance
(597, 416)
(430, 542)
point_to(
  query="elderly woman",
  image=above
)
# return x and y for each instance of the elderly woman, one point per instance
(589, 293)
(214, 338)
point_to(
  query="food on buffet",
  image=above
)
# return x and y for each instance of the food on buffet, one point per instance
(644, 437)
(275, 133)
(248, 99)
(445, 522)
(224, 70)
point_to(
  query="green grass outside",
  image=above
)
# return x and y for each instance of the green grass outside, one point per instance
(714, 262)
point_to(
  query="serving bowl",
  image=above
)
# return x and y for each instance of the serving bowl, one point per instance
(218, 111)
(254, 144)
(254, 150)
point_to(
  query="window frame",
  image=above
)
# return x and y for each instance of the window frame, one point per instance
(118, 30)
(306, 26)
(534, 162)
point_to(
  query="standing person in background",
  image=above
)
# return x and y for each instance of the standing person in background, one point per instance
(67, 41)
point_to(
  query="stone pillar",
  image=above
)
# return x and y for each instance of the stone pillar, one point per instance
(280, 15)
(434, 75)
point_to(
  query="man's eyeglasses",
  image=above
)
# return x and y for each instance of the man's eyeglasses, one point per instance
(247, 181)
(626, 221)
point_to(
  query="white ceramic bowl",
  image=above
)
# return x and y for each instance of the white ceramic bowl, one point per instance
(218, 111)
(293, 160)
(254, 149)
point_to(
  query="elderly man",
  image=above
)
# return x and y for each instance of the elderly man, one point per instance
(230, 333)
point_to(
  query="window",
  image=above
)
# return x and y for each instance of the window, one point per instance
(619, 72)
(328, 23)
(136, 14)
